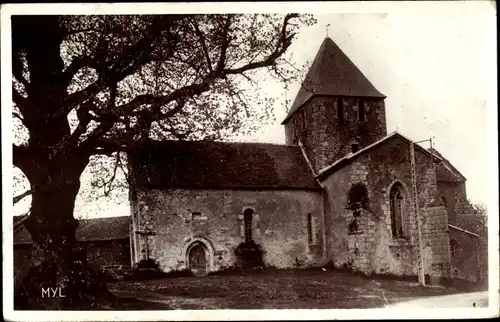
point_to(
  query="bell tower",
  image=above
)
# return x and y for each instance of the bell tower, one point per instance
(337, 110)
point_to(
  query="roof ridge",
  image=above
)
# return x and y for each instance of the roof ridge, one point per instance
(446, 163)
(349, 156)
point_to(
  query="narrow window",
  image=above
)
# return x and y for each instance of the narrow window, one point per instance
(361, 110)
(454, 247)
(304, 121)
(296, 131)
(340, 109)
(309, 228)
(354, 147)
(293, 130)
(397, 210)
(196, 215)
(445, 203)
(300, 122)
(248, 217)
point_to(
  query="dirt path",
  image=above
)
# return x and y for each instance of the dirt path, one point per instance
(462, 300)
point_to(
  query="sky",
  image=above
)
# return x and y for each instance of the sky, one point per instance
(436, 65)
(435, 62)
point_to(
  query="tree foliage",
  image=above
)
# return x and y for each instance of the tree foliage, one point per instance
(97, 84)
(85, 89)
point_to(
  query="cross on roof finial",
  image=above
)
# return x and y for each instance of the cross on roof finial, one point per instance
(327, 27)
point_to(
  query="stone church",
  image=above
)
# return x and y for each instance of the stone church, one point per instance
(339, 192)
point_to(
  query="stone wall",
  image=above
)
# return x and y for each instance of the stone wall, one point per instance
(327, 138)
(464, 261)
(453, 193)
(108, 253)
(373, 249)
(279, 226)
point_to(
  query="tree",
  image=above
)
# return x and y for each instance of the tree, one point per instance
(98, 85)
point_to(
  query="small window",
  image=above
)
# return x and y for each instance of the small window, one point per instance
(454, 247)
(300, 121)
(309, 228)
(354, 147)
(293, 131)
(196, 216)
(445, 203)
(248, 217)
(357, 197)
(361, 110)
(304, 119)
(340, 109)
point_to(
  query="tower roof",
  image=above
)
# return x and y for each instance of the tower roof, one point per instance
(333, 73)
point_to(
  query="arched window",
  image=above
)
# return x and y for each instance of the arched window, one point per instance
(340, 109)
(357, 196)
(398, 217)
(454, 247)
(361, 110)
(248, 217)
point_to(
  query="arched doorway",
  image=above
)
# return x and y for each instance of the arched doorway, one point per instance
(197, 256)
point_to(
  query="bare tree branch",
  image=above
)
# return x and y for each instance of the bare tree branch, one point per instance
(76, 65)
(201, 38)
(225, 44)
(156, 101)
(284, 41)
(24, 194)
(178, 94)
(109, 183)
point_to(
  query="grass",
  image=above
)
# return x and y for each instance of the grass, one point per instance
(298, 289)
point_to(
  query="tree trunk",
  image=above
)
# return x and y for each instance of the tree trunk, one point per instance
(60, 277)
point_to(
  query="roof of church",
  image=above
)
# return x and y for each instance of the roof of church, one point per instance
(220, 165)
(463, 230)
(333, 73)
(445, 171)
(94, 229)
(346, 159)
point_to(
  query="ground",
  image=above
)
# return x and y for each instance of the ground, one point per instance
(277, 290)
(474, 299)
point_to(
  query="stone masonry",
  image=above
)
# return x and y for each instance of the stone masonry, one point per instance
(327, 138)
(279, 226)
(372, 249)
